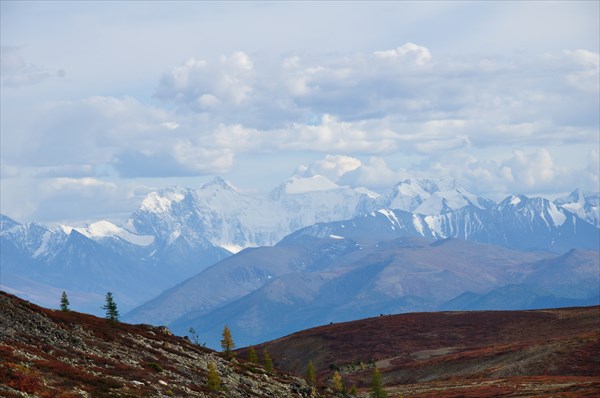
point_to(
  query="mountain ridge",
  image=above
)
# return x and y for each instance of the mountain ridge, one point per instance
(178, 232)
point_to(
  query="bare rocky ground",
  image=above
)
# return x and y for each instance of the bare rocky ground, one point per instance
(46, 353)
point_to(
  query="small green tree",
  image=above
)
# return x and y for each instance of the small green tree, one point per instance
(311, 375)
(112, 314)
(213, 380)
(64, 302)
(252, 357)
(227, 343)
(337, 384)
(353, 391)
(377, 390)
(267, 361)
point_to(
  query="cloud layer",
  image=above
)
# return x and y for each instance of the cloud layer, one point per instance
(498, 121)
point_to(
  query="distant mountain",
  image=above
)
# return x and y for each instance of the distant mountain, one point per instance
(177, 232)
(226, 217)
(584, 205)
(306, 280)
(429, 197)
(38, 263)
(517, 222)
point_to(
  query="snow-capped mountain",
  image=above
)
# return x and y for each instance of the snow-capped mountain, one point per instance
(39, 262)
(177, 232)
(531, 225)
(221, 214)
(429, 197)
(584, 205)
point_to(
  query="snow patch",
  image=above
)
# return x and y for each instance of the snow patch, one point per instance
(44, 245)
(336, 237)
(106, 229)
(515, 200)
(390, 215)
(558, 217)
(417, 224)
(232, 247)
(66, 229)
(158, 203)
(173, 236)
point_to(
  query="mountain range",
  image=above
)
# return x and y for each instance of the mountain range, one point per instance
(179, 233)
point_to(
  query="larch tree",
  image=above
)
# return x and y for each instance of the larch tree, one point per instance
(377, 390)
(213, 380)
(252, 357)
(337, 384)
(267, 361)
(311, 375)
(64, 302)
(112, 313)
(227, 343)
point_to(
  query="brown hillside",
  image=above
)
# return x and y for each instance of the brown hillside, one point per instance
(49, 353)
(483, 353)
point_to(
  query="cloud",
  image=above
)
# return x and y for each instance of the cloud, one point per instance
(16, 71)
(586, 77)
(343, 102)
(419, 55)
(531, 172)
(332, 167)
(391, 102)
(346, 170)
(203, 85)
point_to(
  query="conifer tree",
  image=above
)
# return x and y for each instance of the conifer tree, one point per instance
(267, 361)
(311, 376)
(64, 302)
(377, 390)
(337, 384)
(112, 314)
(252, 357)
(227, 343)
(353, 391)
(213, 381)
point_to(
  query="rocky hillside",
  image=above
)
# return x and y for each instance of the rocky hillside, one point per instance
(451, 354)
(47, 353)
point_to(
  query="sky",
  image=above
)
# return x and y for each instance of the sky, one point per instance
(103, 102)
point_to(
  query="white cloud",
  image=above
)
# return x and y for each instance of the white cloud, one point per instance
(530, 172)
(587, 75)
(419, 55)
(204, 85)
(332, 167)
(346, 170)
(87, 187)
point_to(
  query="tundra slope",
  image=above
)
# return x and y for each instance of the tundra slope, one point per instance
(543, 353)
(68, 354)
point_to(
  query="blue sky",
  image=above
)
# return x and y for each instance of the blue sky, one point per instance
(102, 102)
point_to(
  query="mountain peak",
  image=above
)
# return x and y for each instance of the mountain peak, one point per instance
(162, 200)
(7, 223)
(218, 183)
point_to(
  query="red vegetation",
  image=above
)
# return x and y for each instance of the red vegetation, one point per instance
(465, 352)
